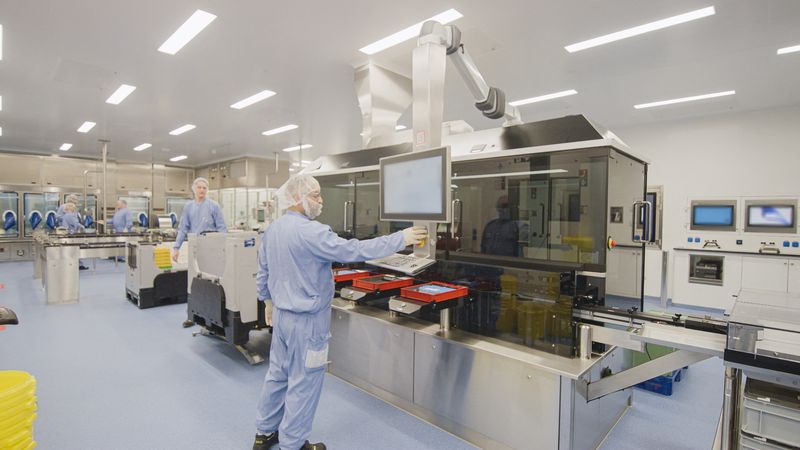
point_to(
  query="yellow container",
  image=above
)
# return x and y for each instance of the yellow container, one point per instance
(17, 411)
(530, 321)
(162, 258)
(20, 440)
(15, 383)
(14, 428)
(507, 320)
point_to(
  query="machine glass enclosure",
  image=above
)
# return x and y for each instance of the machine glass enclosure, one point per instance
(9, 222)
(525, 307)
(713, 215)
(771, 216)
(339, 195)
(546, 207)
(91, 204)
(37, 207)
(139, 206)
(175, 206)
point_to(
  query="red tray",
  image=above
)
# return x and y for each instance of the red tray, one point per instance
(382, 282)
(450, 291)
(340, 275)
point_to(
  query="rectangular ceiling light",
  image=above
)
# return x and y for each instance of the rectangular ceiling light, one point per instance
(183, 129)
(297, 147)
(282, 129)
(641, 29)
(144, 146)
(684, 99)
(792, 49)
(119, 95)
(400, 127)
(542, 98)
(86, 127)
(1, 42)
(178, 158)
(186, 32)
(409, 33)
(252, 99)
(1, 131)
(1, 102)
(65, 146)
(510, 174)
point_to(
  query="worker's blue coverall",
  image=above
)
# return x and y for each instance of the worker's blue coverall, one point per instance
(295, 272)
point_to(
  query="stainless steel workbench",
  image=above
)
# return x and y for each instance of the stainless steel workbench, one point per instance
(494, 394)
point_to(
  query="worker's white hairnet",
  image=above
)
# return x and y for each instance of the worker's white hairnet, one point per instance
(72, 198)
(295, 192)
(197, 181)
(70, 207)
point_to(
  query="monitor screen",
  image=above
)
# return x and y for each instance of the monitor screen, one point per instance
(416, 186)
(713, 215)
(434, 289)
(780, 216)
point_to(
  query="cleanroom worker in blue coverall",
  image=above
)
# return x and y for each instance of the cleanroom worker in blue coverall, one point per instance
(295, 274)
(199, 215)
(71, 198)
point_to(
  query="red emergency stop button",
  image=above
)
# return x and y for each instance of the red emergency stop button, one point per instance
(611, 243)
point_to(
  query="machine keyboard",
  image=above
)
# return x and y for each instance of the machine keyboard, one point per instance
(408, 264)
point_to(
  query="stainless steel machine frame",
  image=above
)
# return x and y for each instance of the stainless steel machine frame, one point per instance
(460, 381)
(56, 260)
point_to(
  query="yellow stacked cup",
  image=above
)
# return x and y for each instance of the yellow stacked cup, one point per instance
(162, 258)
(17, 409)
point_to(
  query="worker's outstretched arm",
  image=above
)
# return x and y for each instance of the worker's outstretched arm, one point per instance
(183, 227)
(326, 245)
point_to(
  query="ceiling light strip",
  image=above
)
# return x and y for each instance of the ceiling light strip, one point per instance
(409, 33)
(542, 98)
(86, 127)
(282, 129)
(297, 147)
(120, 94)
(641, 29)
(792, 49)
(684, 99)
(182, 129)
(186, 32)
(255, 98)
(65, 146)
(141, 147)
(178, 158)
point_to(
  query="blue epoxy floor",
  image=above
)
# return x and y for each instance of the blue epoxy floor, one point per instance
(113, 376)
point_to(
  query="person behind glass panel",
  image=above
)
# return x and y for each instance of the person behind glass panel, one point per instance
(501, 235)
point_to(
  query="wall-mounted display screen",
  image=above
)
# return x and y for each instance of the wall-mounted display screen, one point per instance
(713, 215)
(770, 215)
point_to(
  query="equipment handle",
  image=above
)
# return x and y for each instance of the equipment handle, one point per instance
(344, 219)
(647, 227)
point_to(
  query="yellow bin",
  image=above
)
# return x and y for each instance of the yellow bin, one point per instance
(161, 255)
(17, 409)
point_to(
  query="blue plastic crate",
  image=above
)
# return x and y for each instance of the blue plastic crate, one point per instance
(662, 384)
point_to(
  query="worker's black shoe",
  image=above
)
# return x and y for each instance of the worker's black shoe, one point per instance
(265, 441)
(188, 323)
(83, 268)
(310, 446)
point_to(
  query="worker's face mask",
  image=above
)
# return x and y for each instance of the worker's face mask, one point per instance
(312, 205)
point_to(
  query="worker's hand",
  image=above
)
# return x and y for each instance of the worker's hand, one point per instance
(175, 253)
(268, 311)
(415, 235)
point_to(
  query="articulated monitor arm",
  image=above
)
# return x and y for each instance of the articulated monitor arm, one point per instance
(491, 101)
